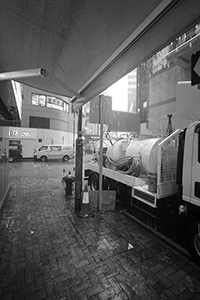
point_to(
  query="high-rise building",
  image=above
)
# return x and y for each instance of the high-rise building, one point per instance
(132, 88)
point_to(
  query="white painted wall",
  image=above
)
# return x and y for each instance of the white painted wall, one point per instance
(29, 138)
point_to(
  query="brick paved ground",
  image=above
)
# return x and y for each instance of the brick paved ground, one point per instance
(47, 252)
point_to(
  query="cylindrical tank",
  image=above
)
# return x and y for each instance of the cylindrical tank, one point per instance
(147, 150)
(117, 150)
(97, 145)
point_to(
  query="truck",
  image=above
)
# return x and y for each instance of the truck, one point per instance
(159, 176)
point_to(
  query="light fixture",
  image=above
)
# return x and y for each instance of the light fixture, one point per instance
(22, 74)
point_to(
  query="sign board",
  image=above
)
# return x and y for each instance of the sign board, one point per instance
(95, 112)
(13, 132)
(124, 122)
(54, 102)
(195, 68)
(116, 120)
(22, 133)
(26, 133)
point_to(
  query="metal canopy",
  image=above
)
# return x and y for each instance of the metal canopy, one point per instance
(87, 45)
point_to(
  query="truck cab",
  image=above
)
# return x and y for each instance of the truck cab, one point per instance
(191, 165)
(190, 210)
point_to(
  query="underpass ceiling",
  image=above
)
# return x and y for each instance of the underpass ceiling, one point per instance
(87, 45)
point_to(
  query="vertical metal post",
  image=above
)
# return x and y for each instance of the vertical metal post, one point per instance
(101, 152)
(79, 164)
(74, 128)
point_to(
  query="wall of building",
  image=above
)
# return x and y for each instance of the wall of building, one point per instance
(44, 125)
(33, 138)
(162, 98)
(41, 124)
(9, 115)
(4, 167)
(157, 80)
(58, 120)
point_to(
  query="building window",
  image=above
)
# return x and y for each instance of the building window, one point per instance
(43, 148)
(39, 140)
(55, 148)
(38, 122)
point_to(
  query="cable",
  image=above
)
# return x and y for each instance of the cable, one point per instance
(127, 165)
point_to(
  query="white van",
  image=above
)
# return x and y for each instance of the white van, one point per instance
(47, 152)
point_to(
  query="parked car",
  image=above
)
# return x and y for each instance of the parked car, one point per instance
(48, 152)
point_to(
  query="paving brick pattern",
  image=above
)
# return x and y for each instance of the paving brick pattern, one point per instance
(48, 252)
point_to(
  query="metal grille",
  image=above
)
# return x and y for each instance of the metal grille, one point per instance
(144, 196)
(169, 161)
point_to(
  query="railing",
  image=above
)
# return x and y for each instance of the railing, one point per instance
(167, 165)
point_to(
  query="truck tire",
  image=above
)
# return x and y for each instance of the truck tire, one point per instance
(94, 182)
(43, 158)
(192, 238)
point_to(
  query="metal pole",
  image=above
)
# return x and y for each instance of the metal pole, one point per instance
(101, 151)
(73, 128)
(79, 164)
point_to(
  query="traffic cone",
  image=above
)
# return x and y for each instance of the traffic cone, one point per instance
(85, 205)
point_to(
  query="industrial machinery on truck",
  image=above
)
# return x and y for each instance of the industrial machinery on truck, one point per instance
(160, 176)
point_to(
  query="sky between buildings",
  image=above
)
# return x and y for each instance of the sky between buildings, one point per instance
(119, 93)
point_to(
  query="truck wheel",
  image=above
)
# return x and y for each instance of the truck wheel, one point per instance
(43, 158)
(94, 182)
(11, 159)
(66, 158)
(192, 238)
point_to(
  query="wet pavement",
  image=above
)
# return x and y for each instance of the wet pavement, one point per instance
(48, 252)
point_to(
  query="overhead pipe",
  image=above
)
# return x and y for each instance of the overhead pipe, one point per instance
(22, 74)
